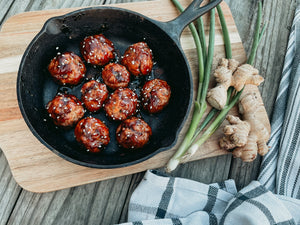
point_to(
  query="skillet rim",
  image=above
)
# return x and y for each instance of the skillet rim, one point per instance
(160, 25)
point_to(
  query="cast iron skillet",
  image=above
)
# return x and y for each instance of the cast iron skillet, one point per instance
(35, 87)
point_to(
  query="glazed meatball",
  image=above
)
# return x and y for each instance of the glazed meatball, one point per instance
(92, 133)
(94, 94)
(67, 68)
(155, 95)
(115, 76)
(133, 133)
(65, 110)
(121, 104)
(97, 50)
(138, 59)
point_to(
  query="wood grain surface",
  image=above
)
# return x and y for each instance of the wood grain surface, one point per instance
(36, 168)
(87, 204)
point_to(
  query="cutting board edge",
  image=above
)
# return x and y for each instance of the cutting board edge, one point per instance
(41, 189)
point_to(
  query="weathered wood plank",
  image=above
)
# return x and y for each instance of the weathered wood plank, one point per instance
(4, 8)
(97, 203)
(207, 171)
(19, 6)
(135, 180)
(9, 190)
(123, 1)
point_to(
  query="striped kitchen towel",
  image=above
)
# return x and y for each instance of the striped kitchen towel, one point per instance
(280, 169)
(163, 200)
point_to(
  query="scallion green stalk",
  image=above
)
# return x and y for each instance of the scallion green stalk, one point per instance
(262, 32)
(257, 35)
(226, 36)
(201, 31)
(228, 52)
(215, 124)
(200, 103)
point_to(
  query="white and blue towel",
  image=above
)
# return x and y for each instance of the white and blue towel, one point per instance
(163, 200)
(273, 199)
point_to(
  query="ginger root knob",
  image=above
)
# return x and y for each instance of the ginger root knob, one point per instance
(217, 96)
(245, 74)
(236, 134)
(248, 137)
(229, 74)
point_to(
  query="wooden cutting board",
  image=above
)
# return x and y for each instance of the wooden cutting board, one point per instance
(35, 167)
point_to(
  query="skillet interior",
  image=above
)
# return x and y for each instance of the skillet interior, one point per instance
(35, 86)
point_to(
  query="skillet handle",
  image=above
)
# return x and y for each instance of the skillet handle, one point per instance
(191, 13)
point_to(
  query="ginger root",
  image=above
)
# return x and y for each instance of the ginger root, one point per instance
(217, 96)
(229, 74)
(236, 134)
(254, 117)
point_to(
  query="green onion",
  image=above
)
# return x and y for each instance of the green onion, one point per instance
(228, 52)
(226, 36)
(210, 57)
(257, 35)
(262, 32)
(201, 31)
(206, 121)
(200, 104)
(215, 124)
